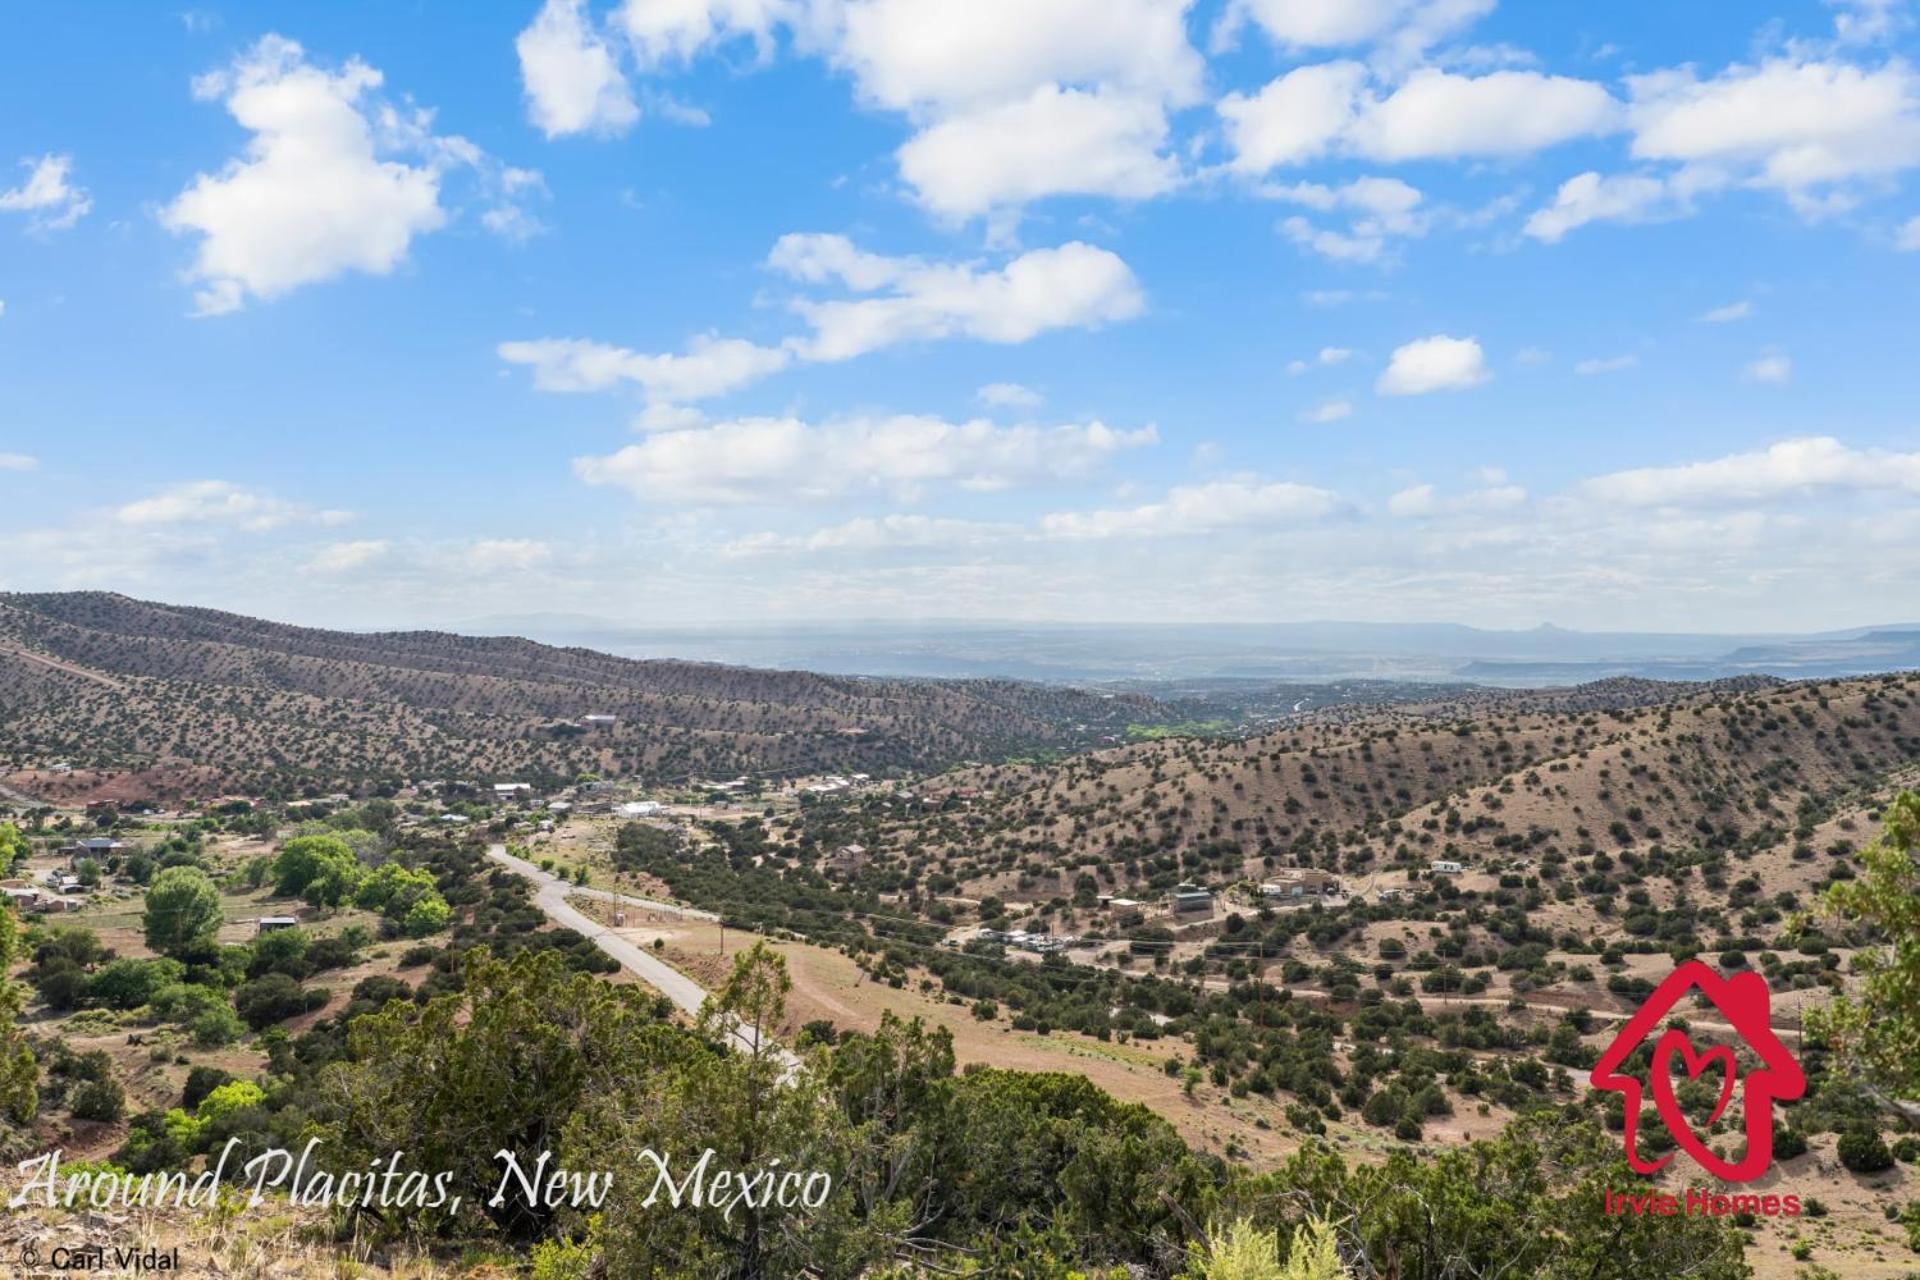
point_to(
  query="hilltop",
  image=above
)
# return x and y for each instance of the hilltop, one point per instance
(199, 699)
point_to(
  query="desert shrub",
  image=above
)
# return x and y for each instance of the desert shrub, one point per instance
(1863, 1151)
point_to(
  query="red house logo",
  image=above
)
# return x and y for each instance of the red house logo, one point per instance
(1744, 1001)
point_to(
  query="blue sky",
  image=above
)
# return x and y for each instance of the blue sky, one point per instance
(742, 310)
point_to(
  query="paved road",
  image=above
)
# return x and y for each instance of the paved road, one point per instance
(550, 894)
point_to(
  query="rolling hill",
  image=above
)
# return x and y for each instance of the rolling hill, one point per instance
(197, 699)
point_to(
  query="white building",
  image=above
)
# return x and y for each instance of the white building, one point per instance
(1442, 867)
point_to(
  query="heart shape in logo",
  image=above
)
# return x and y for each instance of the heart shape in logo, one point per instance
(1675, 1042)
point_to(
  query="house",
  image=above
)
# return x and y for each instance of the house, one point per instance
(1299, 883)
(1191, 899)
(23, 899)
(558, 806)
(599, 721)
(641, 808)
(1442, 867)
(1743, 1002)
(849, 857)
(96, 847)
(508, 791)
(273, 924)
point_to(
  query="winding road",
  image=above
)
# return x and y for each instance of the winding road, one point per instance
(550, 894)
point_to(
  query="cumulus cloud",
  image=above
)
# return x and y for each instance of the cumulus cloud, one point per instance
(1808, 128)
(666, 31)
(1199, 509)
(1074, 285)
(1434, 114)
(1908, 238)
(1295, 118)
(1055, 141)
(320, 189)
(893, 300)
(1791, 468)
(47, 195)
(1011, 100)
(710, 366)
(1401, 29)
(1379, 210)
(572, 78)
(927, 56)
(1439, 363)
(1629, 198)
(1774, 368)
(18, 462)
(1606, 364)
(220, 502)
(786, 459)
(1438, 114)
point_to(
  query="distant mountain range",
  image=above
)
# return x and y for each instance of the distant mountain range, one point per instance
(1309, 651)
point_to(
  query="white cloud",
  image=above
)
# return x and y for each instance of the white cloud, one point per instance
(935, 56)
(785, 459)
(1072, 286)
(573, 81)
(884, 533)
(898, 300)
(18, 462)
(1606, 364)
(1403, 28)
(1055, 141)
(493, 555)
(1866, 21)
(1434, 114)
(1380, 209)
(1772, 368)
(1012, 100)
(345, 557)
(1439, 115)
(1908, 239)
(1728, 314)
(1295, 118)
(1807, 128)
(1439, 363)
(1594, 197)
(1423, 501)
(1792, 468)
(664, 31)
(317, 192)
(1009, 395)
(1328, 411)
(711, 366)
(1199, 509)
(219, 502)
(47, 196)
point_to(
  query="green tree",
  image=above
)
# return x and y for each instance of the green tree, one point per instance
(19, 1070)
(322, 869)
(183, 911)
(1876, 1035)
